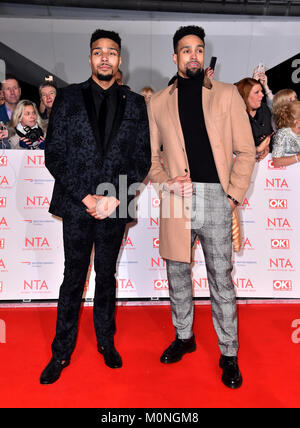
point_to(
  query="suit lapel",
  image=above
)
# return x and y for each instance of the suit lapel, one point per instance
(215, 139)
(207, 96)
(172, 103)
(91, 111)
(119, 115)
(207, 101)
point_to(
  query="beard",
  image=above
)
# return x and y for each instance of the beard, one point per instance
(194, 72)
(104, 77)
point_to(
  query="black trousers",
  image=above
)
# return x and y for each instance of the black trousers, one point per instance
(79, 235)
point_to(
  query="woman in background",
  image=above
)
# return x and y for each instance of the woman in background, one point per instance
(259, 115)
(286, 147)
(26, 129)
(282, 97)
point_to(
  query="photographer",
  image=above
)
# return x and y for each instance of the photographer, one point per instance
(26, 129)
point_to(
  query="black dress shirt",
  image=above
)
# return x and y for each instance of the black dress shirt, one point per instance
(112, 105)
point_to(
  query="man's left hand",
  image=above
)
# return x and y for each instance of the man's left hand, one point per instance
(104, 207)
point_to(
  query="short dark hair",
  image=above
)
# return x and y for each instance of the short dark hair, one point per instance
(105, 34)
(45, 85)
(9, 77)
(187, 31)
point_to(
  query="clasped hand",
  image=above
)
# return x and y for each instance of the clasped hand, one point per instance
(103, 206)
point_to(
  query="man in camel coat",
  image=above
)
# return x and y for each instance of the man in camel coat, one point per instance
(203, 156)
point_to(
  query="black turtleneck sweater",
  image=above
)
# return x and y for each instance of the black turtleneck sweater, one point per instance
(198, 148)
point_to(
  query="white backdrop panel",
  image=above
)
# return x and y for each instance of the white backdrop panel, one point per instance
(31, 247)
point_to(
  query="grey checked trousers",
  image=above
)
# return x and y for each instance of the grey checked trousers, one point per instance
(212, 222)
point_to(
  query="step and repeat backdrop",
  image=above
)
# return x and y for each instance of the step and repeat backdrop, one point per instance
(31, 247)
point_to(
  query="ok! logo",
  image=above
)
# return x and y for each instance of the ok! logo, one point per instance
(280, 204)
(2, 202)
(271, 165)
(3, 160)
(280, 244)
(282, 285)
(2, 243)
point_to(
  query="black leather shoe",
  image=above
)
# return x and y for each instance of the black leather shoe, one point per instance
(231, 374)
(177, 349)
(52, 371)
(111, 356)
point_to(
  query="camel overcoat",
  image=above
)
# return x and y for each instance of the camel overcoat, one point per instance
(233, 149)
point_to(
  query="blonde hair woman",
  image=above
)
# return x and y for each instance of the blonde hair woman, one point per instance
(26, 128)
(282, 97)
(286, 144)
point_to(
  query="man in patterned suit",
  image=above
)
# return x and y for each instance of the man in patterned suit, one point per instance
(98, 135)
(200, 125)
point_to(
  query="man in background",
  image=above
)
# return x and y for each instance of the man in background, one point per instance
(11, 93)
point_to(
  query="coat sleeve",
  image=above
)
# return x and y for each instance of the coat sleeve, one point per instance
(56, 151)
(243, 148)
(140, 158)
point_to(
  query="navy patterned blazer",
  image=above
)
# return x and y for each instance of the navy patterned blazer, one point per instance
(74, 154)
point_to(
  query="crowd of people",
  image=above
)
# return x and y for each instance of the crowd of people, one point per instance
(274, 118)
(23, 125)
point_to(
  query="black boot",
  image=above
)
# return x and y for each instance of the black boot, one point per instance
(53, 370)
(231, 374)
(111, 356)
(177, 349)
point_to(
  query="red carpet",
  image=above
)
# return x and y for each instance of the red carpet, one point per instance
(268, 357)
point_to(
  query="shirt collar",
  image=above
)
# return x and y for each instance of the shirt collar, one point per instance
(98, 89)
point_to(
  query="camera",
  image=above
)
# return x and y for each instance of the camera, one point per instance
(33, 134)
